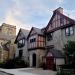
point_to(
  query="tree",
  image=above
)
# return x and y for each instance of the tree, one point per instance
(69, 50)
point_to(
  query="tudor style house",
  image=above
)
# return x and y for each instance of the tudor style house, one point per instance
(51, 39)
(46, 44)
(59, 30)
(21, 41)
(36, 46)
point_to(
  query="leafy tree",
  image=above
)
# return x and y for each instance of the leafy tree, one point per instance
(69, 50)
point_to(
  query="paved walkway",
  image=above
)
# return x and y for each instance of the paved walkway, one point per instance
(26, 71)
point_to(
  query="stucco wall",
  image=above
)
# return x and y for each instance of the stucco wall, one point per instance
(60, 61)
(56, 41)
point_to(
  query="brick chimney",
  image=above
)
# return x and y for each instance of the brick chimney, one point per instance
(59, 10)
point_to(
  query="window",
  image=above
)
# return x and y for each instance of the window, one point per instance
(20, 53)
(49, 36)
(32, 40)
(21, 43)
(69, 31)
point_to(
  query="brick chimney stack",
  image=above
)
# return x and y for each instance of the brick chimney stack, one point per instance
(59, 10)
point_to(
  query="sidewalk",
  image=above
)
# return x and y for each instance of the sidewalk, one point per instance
(27, 71)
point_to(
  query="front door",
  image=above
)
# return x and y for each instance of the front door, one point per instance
(50, 62)
(34, 60)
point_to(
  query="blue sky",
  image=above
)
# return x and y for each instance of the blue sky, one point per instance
(32, 13)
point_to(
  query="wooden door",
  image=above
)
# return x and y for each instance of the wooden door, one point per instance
(49, 62)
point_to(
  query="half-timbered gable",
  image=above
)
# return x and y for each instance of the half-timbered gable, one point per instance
(57, 21)
(36, 38)
(19, 36)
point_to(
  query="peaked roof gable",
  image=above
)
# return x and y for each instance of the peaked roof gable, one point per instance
(60, 16)
(35, 30)
(55, 53)
(22, 34)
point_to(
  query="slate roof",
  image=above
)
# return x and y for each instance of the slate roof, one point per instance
(38, 31)
(25, 32)
(56, 53)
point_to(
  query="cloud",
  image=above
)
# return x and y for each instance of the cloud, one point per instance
(13, 14)
(70, 13)
(60, 1)
(28, 13)
(10, 19)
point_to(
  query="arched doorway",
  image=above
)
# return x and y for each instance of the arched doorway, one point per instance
(34, 60)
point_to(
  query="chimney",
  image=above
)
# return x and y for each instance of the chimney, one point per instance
(59, 10)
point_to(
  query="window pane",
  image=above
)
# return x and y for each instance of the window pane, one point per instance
(67, 31)
(49, 36)
(32, 40)
(71, 31)
(20, 41)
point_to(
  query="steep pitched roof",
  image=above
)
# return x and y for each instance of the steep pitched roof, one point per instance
(24, 32)
(37, 30)
(56, 53)
(64, 16)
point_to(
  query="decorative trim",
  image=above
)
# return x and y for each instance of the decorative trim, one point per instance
(36, 48)
(61, 27)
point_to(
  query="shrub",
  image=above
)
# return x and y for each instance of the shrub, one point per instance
(68, 66)
(14, 63)
(63, 73)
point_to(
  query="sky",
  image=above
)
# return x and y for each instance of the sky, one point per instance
(32, 13)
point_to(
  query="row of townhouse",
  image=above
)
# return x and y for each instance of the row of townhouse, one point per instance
(46, 44)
